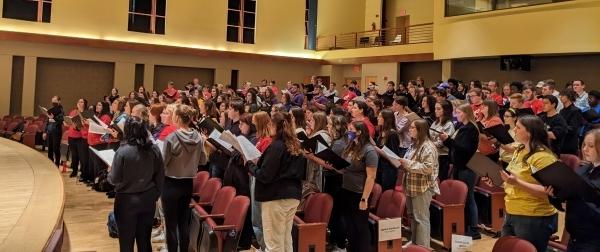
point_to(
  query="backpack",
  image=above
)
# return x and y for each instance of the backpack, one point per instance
(101, 183)
(113, 230)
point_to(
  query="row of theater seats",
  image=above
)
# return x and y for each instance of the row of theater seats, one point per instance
(27, 130)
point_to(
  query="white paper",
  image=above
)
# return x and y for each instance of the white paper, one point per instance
(248, 149)
(160, 144)
(44, 110)
(105, 155)
(390, 229)
(390, 153)
(96, 128)
(335, 99)
(100, 122)
(216, 135)
(461, 243)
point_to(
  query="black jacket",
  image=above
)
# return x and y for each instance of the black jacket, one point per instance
(278, 174)
(236, 174)
(463, 146)
(574, 119)
(56, 126)
(583, 218)
(558, 126)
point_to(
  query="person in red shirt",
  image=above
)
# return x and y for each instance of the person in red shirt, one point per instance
(171, 92)
(78, 158)
(94, 140)
(167, 118)
(530, 101)
(359, 112)
(273, 87)
(475, 97)
(348, 96)
(495, 96)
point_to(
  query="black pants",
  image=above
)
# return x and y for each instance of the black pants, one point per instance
(444, 161)
(53, 140)
(468, 176)
(356, 222)
(78, 148)
(176, 197)
(333, 185)
(95, 163)
(134, 213)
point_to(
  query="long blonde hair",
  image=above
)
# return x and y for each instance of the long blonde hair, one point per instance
(261, 122)
(468, 111)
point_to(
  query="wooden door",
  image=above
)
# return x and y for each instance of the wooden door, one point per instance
(402, 24)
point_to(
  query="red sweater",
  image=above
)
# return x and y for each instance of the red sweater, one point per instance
(263, 143)
(166, 131)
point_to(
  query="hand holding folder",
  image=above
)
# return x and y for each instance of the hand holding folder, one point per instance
(330, 157)
(566, 183)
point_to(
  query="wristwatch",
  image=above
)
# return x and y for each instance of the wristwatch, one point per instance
(363, 200)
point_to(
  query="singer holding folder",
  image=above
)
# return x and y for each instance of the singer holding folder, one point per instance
(463, 146)
(94, 140)
(583, 218)
(529, 214)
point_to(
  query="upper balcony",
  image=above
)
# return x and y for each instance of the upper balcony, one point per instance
(413, 34)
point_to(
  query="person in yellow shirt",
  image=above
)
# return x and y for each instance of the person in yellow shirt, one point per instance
(529, 214)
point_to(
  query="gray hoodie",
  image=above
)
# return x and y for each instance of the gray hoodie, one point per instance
(183, 152)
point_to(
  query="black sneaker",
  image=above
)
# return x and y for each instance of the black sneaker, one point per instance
(73, 175)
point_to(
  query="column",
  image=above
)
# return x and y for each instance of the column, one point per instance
(29, 79)
(446, 69)
(124, 79)
(5, 83)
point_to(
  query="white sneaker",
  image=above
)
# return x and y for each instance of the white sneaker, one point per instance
(337, 249)
(159, 238)
(156, 231)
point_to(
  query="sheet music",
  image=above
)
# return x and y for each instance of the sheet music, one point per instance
(390, 153)
(335, 99)
(105, 155)
(96, 128)
(248, 149)
(44, 110)
(216, 135)
(100, 122)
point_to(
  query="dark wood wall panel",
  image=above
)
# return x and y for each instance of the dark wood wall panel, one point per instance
(431, 71)
(559, 68)
(71, 80)
(181, 76)
(16, 85)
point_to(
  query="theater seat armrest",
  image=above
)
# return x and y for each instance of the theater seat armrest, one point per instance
(437, 203)
(557, 245)
(224, 228)
(193, 204)
(313, 226)
(298, 220)
(214, 216)
(373, 217)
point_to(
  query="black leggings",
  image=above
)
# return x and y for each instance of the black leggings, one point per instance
(79, 154)
(176, 197)
(134, 213)
(356, 222)
(53, 139)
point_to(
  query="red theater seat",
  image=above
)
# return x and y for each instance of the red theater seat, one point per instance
(512, 243)
(374, 197)
(207, 194)
(199, 213)
(310, 224)
(447, 211)
(225, 237)
(490, 205)
(391, 205)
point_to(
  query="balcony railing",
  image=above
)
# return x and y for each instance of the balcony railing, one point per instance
(414, 34)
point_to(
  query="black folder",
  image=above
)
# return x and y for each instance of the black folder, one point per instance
(567, 184)
(336, 161)
(209, 125)
(310, 144)
(500, 132)
(485, 167)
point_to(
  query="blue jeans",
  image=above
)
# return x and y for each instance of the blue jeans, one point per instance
(578, 245)
(535, 229)
(471, 219)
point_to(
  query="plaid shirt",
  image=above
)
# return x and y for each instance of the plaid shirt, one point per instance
(422, 169)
